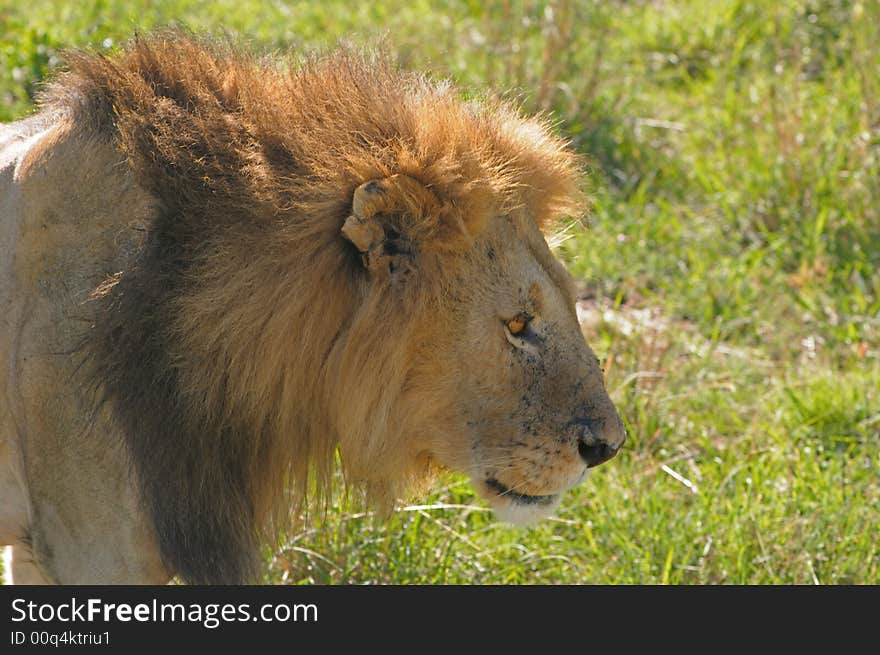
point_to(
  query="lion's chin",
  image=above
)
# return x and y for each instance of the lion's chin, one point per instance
(516, 508)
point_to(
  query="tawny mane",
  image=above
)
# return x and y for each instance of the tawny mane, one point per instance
(243, 345)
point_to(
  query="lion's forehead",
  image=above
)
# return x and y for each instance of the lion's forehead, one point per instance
(524, 265)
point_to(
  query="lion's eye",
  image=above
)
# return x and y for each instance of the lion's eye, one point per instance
(520, 334)
(517, 324)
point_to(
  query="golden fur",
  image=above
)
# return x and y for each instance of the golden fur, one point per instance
(265, 321)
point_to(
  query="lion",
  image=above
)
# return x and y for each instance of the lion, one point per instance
(225, 279)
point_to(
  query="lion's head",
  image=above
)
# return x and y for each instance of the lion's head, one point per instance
(505, 386)
(342, 257)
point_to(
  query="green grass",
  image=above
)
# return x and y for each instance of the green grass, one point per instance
(731, 275)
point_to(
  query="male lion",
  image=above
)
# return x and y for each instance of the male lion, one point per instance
(218, 273)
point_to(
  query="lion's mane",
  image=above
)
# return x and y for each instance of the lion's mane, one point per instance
(245, 344)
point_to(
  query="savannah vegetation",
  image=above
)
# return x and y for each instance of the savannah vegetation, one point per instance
(730, 273)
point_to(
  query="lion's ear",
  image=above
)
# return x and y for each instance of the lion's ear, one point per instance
(383, 215)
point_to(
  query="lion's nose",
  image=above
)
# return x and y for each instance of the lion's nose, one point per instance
(595, 453)
(598, 442)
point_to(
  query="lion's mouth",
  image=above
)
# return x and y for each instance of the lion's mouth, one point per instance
(518, 498)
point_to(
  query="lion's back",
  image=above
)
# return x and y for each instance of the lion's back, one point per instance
(16, 140)
(70, 216)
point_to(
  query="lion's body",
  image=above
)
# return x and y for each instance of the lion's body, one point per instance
(187, 334)
(63, 477)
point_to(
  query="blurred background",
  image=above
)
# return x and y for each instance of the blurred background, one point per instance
(730, 276)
